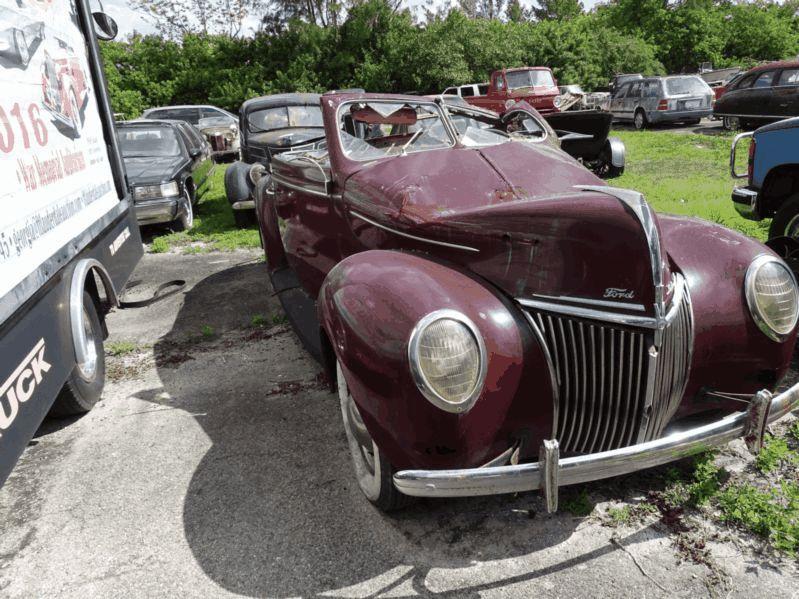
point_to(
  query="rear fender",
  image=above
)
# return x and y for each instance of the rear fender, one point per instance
(617, 151)
(369, 304)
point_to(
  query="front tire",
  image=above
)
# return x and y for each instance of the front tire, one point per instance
(85, 384)
(786, 221)
(186, 220)
(731, 123)
(374, 473)
(639, 120)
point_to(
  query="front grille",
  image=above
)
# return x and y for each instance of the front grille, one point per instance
(606, 395)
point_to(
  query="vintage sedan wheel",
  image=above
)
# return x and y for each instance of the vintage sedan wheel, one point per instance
(640, 120)
(374, 473)
(786, 222)
(731, 123)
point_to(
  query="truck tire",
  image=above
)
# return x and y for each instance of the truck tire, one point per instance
(86, 381)
(786, 221)
(373, 472)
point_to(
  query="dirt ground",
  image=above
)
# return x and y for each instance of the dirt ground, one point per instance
(216, 465)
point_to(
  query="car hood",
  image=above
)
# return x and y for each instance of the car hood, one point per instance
(534, 232)
(153, 169)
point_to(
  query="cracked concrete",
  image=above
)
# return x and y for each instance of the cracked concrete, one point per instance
(227, 474)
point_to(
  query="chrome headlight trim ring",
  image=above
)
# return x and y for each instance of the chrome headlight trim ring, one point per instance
(751, 296)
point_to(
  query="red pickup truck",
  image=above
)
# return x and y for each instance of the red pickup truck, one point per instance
(534, 85)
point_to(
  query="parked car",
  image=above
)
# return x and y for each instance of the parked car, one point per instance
(654, 100)
(620, 79)
(220, 127)
(572, 97)
(468, 90)
(766, 93)
(222, 135)
(772, 187)
(168, 165)
(534, 85)
(269, 125)
(496, 319)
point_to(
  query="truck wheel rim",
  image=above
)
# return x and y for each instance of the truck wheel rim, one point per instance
(88, 367)
(363, 450)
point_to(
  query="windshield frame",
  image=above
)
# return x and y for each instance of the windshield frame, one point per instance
(182, 149)
(254, 129)
(533, 85)
(447, 124)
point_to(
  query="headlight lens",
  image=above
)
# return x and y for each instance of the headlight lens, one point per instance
(557, 102)
(772, 296)
(447, 358)
(151, 192)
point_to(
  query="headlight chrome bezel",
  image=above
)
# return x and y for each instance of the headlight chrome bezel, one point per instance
(751, 298)
(418, 374)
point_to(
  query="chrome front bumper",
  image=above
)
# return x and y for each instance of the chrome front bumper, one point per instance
(745, 201)
(162, 210)
(552, 472)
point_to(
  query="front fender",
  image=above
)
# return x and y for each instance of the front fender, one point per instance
(369, 304)
(730, 352)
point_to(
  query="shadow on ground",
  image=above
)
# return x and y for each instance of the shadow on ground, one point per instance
(273, 509)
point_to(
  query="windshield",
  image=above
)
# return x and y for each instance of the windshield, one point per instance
(372, 130)
(285, 117)
(141, 141)
(686, 85)
(216, 121)
(518, 79)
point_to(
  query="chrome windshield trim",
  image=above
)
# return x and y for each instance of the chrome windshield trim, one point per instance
(591, 302)
(637, 203)
(454, 246)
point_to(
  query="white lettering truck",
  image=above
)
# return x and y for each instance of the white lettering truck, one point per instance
(68, 234)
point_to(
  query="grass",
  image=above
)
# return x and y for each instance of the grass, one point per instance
(120, 348)
(214, 228)
(686, 175)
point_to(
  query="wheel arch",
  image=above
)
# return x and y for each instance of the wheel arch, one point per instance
(780, 183)
(85, 275)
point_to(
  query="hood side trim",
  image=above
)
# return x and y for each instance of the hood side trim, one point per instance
(455, 246)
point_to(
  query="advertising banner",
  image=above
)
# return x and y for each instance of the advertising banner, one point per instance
(55, 175)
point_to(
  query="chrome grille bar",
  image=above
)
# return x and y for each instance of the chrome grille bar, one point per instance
(617, 385)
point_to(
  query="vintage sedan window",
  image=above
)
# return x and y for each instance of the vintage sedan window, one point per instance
(517, 79)
(476, 133)
(765, 79)
(284, 117)
(148, 141)
(789, 77)
(371, 130)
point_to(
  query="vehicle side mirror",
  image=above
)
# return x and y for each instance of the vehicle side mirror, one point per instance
(105, 28)
(195, 152)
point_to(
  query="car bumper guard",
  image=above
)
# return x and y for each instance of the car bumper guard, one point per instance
(552, 472)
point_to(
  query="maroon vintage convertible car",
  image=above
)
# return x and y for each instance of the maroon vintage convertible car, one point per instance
(497, 319)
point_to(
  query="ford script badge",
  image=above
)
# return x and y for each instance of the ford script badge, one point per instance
(617, 293)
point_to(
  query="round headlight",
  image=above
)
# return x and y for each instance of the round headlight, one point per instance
(448, 361)
(772, 296)
(257, 171)
(557, 102)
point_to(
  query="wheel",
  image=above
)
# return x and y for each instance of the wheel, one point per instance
(374, 473)
(186, 220)
(85, 383)
(731, 123)
(244, 218)
(605, 168)
(639, 120)
(786, 222)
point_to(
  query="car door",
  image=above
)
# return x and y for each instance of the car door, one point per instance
(757, 99)
(199, 173)
(785, 94)
(203, 161)
(617, 101)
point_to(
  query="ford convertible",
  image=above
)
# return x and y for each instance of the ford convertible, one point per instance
(497, 319)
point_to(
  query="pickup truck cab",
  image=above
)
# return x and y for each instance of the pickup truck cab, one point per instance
(772, 189)
(535, 85)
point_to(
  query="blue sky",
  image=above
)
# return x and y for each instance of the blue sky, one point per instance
(130, 19)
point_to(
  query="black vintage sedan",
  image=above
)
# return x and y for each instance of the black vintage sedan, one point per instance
(168, 165)
(269, 125)
(765, 94)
